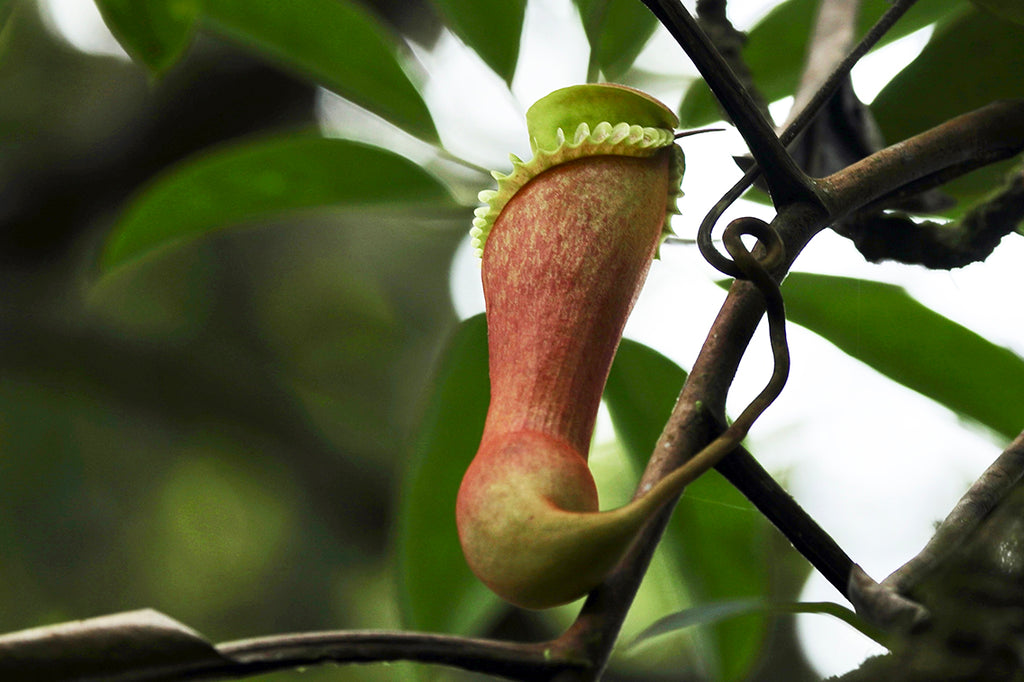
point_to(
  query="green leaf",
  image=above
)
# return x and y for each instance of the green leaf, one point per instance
(263, 178)
(336, 43)
(640, 393)
(978, 186)
(716, 535)
(882, 326)
(153, 32)
(491, 27)
(979, 58)
(1007, 9)
(439, 593)
(718, 612)
(777, 47)
(617, 31)
(952, 62)
(6, 8)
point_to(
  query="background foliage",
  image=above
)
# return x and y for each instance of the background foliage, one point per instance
(261, 429)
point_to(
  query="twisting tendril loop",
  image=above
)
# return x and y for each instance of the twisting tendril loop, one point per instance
(757, 271)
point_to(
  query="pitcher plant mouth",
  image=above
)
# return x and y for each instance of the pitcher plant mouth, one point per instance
(621, 139)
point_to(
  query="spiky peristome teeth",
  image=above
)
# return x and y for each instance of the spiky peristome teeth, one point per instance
(621, 139)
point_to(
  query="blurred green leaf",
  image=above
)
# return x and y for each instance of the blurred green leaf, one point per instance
(716, 535)
(952, 75)
(491, 27)
(6, 7)
(777, 46)
(724, 553)
(216, 531)
(718, 612)
(335, 42)
(439, 592)
(882, 326)
(1007, 9)
(102, 366)
(261, 178)
(977, 186)
(617, 31)
(154, 32)
(640, 393)
(967, 64)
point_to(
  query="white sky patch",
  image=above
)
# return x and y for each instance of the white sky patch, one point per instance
(876, 69)
(779, 109)
(339, 117)
(80, 24)
(553, 52)
(663, 55)
(476, 116)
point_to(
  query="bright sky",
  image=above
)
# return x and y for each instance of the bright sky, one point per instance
(876, 464)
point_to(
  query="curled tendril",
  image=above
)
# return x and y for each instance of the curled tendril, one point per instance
(757, 271)
(748, 267)
(744, 265)
(705, 241)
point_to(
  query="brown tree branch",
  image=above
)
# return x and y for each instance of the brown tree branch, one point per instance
(786, 182)
(992, 133)
(981, 498)
(744, 472)
(973, 629)
(887, 604)
(797, 126)
(147, 646)
(494, 657)
(972, 238)
(712, 19)
(152, 647)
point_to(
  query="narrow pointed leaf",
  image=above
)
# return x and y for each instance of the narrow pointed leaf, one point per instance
(952, 76)
(641, 391)
(491, 27)
(6, 6)
(1007, 9)
(919, 97)
(260, 179)
(617, 31)
(716, 535)
(336, 43)
(153, 32)
(882, 326)
(439, 593)
(134, 645)
(718, 612)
